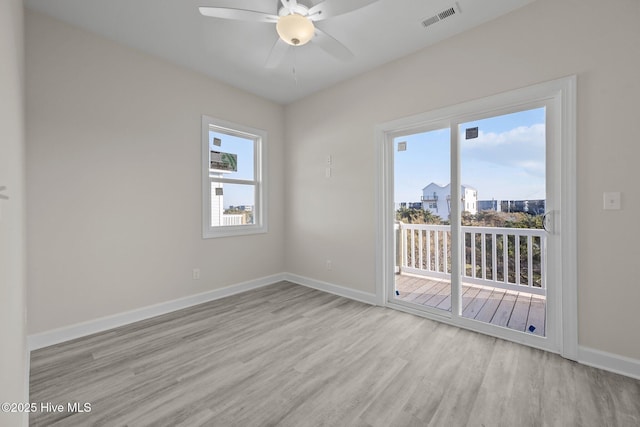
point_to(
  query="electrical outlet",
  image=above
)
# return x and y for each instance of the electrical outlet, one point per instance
(328, 160)
(329, 265)
(196, 274)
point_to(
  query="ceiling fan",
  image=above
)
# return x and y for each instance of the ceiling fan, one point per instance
(295, 24)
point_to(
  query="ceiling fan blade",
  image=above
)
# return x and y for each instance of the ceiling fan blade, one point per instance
(332, 46)
(237, 14)
(278, 51)
(331, 8)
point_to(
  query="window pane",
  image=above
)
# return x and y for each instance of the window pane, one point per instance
(232, 204)
(232, 156)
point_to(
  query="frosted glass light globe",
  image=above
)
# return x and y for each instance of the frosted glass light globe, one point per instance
(295, 29)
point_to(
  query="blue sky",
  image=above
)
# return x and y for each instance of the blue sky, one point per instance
(506, 161)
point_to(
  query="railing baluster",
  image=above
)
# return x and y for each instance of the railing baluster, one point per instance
(429, 266)
(445, 252)
(543, 252)
(404, 246)
(473, 255)
(413, 248)
(517, 243)
(483, 255)
(494, 257)
(420, 249)
(505, 257)
(436, 248)
(463, 257)
(530, 261)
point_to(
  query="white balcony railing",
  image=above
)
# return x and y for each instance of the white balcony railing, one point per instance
(233, 219)
(506, 258)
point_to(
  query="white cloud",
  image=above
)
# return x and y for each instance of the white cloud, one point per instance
(522, 148)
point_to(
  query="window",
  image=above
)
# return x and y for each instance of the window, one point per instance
(233, 186)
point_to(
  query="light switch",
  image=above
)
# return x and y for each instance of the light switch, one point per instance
(612, 200)
(327, 172)
(2, 197)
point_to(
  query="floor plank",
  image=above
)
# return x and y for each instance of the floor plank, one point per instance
(286, 355)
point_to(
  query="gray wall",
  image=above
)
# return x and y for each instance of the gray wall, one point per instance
(113, 163)
(13, 355)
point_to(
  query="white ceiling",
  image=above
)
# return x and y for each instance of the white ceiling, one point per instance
(235, 52)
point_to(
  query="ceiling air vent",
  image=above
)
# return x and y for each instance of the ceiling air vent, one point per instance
(453, 10)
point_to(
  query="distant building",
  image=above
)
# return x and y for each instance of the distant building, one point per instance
(437, 199)
(409, 205)
(245, 208)
(489, 205)
(533, 207)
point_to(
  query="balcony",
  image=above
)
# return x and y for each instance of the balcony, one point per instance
(503, 279)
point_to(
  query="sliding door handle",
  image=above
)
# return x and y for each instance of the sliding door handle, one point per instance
(548, 222)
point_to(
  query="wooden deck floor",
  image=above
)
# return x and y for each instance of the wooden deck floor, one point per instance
(514, 310)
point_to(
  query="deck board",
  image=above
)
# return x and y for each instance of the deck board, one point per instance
(437, 295)
(518, 319)
(490, 306)
(537, 317)
(514, 310)
(473, 309)
(505, 309)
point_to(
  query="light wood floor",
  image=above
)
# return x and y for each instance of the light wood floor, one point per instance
(513, 310)
(287, 355)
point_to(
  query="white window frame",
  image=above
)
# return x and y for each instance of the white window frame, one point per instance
(259, 138)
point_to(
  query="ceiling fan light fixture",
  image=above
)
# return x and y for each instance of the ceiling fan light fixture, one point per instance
(295, 29)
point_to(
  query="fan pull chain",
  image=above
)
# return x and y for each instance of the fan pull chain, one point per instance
(295, 75)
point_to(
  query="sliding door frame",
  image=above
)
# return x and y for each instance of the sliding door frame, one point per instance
(560, 97)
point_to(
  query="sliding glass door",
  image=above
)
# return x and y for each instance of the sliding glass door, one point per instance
(471, 216)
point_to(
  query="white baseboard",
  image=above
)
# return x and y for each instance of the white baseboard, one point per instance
(331, 288)
(609, 362)
(67, 333)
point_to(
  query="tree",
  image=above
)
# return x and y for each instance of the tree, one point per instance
(416, 216)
